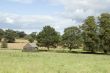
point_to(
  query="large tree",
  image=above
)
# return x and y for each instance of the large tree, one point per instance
(30, 39)
(10, 36)
(33, 35)
(48, 37)
(89, 29)
(72, 38)
(21, 34)
(104, 24)
(1, 34)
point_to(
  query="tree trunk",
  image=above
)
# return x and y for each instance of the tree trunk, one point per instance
(70, 48)
(105, 51)
(48, 47)
(0, 39)
(92, 50)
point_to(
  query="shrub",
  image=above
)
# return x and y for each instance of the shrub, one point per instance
(30, 39)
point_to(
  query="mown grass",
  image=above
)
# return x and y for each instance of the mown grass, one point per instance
(15, 61)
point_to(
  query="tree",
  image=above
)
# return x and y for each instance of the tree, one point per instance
(90, 36)
(33, 35)
(71, 38)
(104, 24)
(30, 39)
(9, 36)
(21, 34)
(48, 37)
(1, 34)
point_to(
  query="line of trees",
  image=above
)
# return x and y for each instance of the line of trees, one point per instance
(96, 33)
(93, 35)
(10, 35)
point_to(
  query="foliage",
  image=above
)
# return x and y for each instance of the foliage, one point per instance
(9, 36)
(104, 24)
(30, 39)
(48, 37)
(1, 34)
(72, 37)
(21, 34)
(89, 34)
(33, 35)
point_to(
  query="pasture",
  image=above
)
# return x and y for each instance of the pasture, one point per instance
(15, 61)
(19, 43)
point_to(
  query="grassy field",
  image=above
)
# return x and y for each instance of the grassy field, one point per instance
(15, 61)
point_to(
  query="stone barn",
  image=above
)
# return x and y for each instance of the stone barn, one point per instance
(30, 47)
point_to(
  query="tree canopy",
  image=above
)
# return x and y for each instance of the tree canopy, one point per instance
(71, 37)
(10, 36)
(1, 34)
(48, 37)
(89, 33)
(104, 25)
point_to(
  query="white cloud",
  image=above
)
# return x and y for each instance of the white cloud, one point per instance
(80, 9)
(9, 20)
(35, 22)
(75, 11)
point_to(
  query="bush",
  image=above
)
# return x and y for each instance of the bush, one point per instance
(10, 36)
(30, 39)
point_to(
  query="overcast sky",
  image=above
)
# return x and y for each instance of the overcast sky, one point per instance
(32, 15)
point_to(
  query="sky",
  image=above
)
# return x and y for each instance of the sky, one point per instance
(33, 15)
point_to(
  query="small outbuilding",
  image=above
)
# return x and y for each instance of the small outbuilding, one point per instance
(30, 47)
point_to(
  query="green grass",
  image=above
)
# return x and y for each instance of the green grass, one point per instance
(15, 61)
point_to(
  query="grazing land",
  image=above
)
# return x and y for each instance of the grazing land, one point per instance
(16, 61)
(19, 43)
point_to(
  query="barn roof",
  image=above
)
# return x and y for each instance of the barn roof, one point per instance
(31, 44)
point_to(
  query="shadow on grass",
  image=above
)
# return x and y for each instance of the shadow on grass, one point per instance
(65, 51)
(77, 52)
(55, 51)
(72, 52)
